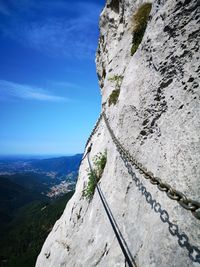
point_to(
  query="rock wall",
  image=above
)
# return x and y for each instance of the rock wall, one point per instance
(157, 119)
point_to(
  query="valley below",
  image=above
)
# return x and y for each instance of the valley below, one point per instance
(33, 195)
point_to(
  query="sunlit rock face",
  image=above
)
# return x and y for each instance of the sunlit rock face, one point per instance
(157, 119)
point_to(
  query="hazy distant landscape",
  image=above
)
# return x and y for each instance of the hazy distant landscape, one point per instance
(51, 177)
(33, 195)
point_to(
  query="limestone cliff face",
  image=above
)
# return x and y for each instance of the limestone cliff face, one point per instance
(157, 119)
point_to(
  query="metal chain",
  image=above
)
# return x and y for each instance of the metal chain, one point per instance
(171, 192)
(183, 240)
(94, 129)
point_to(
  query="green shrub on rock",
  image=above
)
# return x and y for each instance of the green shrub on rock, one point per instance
(117, 79)
(95, 175)
(113, 97)
(140, 20)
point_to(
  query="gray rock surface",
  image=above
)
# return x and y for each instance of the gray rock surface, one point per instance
(156, 118)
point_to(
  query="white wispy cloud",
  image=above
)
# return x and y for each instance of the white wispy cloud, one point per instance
(58, 36)
(11, 90)
(63, 84)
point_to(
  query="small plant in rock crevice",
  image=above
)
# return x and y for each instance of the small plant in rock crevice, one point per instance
(94, 176)
(113, 97)
(118, 81)
(115, 93)
(140, 20)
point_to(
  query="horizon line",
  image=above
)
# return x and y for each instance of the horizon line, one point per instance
(41, 155)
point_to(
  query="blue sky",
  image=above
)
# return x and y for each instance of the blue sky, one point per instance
(49, 94)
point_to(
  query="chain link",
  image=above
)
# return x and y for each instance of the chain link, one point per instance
(171, 192)
(183, 240)
(94, 129)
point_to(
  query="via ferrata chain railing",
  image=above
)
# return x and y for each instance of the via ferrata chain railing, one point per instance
(122, 243)
(172, 193)
(94, 129)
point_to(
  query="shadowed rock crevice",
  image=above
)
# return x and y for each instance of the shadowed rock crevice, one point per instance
(114, 5)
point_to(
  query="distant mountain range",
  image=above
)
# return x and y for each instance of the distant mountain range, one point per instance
(40, 175)
(26, 180)
(62, 165)
(28, 207)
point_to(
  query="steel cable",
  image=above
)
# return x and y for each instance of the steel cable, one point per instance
(122, 243)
